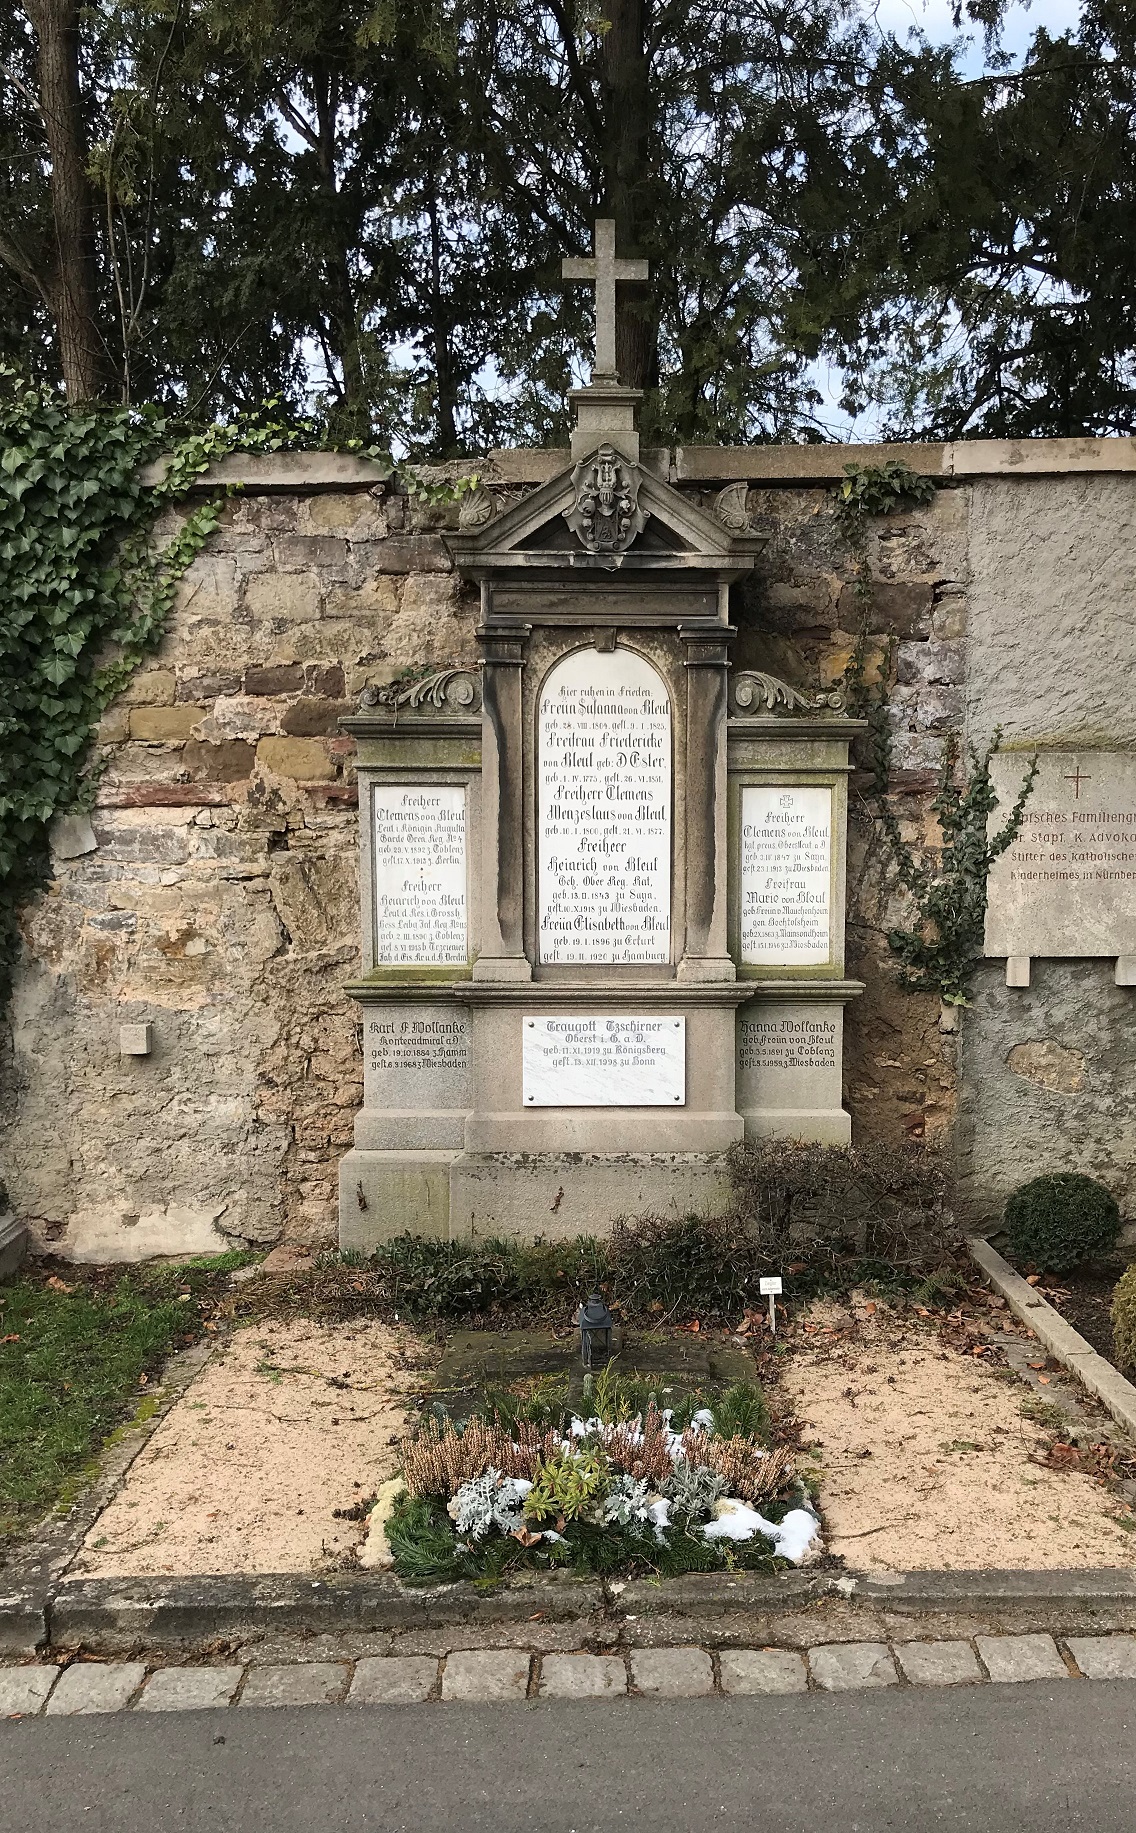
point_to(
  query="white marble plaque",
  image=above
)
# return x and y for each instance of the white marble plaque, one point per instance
(1067, 885)
(786, 875)
(604, 810)
(610, 1059)
(419, 874)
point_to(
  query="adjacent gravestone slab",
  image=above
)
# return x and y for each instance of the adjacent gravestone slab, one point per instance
(420, 874)
(612, 1059)
(416, 1057)
(789, 1067)
(604, 810)
(1065, 886)
(786, 875)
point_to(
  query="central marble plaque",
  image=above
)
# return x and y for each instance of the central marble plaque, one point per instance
(611, 1059)
(786, 875)
(604, 811)
(419, 874)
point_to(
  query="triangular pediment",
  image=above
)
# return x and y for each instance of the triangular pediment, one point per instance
(667, 530)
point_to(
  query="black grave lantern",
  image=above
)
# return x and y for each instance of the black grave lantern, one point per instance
(596, 1324)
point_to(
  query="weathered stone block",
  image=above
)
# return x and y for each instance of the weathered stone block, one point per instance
(242, 716)
(358, 516)
(319, 553)
(72, 837)
(1021, 1658)
(91, 1686)
(672, 1673)
(393, 1680)
(901, 608)
(486, 1674)
(841, 1667)
(404, 554)
(189, 1689)
(167, 724)
(25, 1689)
(305, 1683)
(204, 685)
(286, 678)
(114, 726)
(582, 1677)
(761, 1670)
(293, 598)
(1104, 1657)
(149, 687)
(314, 715)
(938, 1664)
(229, 761)
(931, 664)
(304, 759)
(326, 679)
(372, 603)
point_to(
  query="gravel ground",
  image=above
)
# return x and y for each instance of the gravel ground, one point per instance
(928, 1462)
(286, 1423)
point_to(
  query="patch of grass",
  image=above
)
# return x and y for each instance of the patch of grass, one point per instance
(72, 1358)
(1044, 1413)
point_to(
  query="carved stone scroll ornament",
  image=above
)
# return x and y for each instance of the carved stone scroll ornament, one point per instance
(448, 690)
(752, 691)
(730, 508)
(606, 515)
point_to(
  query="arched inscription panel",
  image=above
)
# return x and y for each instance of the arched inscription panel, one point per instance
(604, 811)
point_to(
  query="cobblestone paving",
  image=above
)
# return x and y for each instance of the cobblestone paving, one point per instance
(483, 1675)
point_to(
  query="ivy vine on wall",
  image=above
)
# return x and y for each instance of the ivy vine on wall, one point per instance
(85, 593)
(947, 886)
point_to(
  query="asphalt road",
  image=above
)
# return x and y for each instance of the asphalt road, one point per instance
(1039, 1756)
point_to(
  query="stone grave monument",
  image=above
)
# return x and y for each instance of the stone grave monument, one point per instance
(1065, 887)
(602, 876)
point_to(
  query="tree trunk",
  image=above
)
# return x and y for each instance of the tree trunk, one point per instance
(353, 417)
(626, 97)
(71, 287)
(443, 367)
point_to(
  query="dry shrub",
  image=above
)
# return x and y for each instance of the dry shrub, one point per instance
(638, 1447)
(439, 1459)
(748, 1472)
(816, 1203)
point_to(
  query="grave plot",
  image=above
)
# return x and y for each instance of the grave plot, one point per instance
(260, 1465)
(664, 1461)
(931, 1451)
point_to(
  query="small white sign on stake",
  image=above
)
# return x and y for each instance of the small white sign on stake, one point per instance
(770, 1285)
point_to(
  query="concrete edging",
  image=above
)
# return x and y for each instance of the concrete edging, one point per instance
(1060, 1339)
(126, 1616)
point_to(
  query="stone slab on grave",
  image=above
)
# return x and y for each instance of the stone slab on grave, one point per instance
(474, 1362)
(581, 861)
(1065, 886)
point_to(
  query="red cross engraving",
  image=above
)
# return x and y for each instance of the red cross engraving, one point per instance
(1077, 779)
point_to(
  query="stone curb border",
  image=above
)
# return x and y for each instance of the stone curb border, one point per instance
(1059, 1338)
(120, 1616)
(479, 1676)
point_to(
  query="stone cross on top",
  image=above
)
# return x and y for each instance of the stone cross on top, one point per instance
(605, 269)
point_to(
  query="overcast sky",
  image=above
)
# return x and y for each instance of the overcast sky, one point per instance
(934, 18)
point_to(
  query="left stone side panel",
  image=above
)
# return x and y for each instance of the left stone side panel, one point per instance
(420, 836)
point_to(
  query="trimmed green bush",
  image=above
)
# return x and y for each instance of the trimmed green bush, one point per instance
(1058, 1221)
(1124, 1320)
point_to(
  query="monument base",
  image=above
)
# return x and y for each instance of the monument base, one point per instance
(460, 1196)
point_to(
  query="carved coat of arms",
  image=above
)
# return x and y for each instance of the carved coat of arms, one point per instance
(606, 514)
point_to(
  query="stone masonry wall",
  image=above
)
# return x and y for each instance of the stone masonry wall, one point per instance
(215, 894)
(214, 891)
